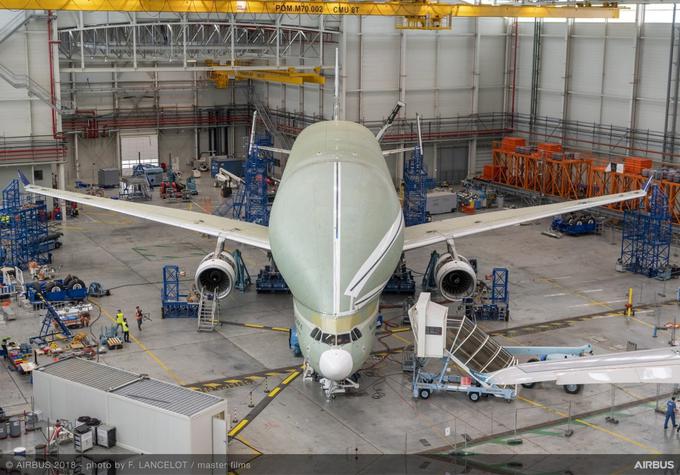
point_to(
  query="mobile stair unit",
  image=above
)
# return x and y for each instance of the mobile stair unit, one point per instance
(459, 342)
(208, 312)
(456, 342)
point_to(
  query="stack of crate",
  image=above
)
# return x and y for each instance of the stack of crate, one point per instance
(635, 165)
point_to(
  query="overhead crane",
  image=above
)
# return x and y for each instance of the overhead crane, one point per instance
(414, 14)
(288, 76)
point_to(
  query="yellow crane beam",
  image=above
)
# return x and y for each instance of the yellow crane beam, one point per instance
(289, 76)
(410, 9)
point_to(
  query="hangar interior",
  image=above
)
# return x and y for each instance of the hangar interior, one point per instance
(498, 113)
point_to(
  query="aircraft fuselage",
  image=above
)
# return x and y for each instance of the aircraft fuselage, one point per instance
(336, 235)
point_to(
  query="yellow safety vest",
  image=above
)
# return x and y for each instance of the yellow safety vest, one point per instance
(119, 318)
(125, 327)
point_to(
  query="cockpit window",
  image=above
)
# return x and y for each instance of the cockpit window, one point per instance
(314, 333)
(356, 334)
(343, 338)
(328, 338)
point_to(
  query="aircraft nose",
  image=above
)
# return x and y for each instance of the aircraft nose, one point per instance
(336, 364)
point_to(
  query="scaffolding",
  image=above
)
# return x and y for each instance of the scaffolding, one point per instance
(646, 237)
(416, 184)
(546, 169)
(24, 235)
(252, 201)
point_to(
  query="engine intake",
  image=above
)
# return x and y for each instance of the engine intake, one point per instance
(455, 278)
(216, 275)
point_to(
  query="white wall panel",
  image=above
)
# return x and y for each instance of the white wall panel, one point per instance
(619, 63)
(616, 111)
(583, 108)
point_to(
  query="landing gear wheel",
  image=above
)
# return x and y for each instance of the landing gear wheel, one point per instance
(572, 388)
(474, 397)
(424, 393)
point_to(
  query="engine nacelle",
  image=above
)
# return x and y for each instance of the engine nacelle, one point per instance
(455, 278)
(216, 275)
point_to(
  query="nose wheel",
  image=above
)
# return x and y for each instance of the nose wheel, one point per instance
(332, 388)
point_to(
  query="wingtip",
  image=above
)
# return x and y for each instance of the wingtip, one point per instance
(23, 178)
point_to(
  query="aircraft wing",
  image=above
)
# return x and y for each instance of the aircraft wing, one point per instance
(645, 366)
(234, 230)
(425, 234)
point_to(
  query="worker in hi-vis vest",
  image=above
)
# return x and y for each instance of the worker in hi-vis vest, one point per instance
(126, 331)
(120, 318)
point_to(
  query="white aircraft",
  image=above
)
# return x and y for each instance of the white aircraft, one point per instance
(336, 233)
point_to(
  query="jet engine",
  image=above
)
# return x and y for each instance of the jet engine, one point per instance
(216, 275)
(455, 277)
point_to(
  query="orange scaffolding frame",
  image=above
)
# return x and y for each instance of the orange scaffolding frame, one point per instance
(545, 168)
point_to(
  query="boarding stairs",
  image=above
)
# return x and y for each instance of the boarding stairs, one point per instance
(208, 312)
(473, 350)
(457, 338)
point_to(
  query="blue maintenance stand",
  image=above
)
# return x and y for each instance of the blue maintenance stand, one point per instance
(402, 281)
(24, 229)
(646, 237)
(495, 306)
(270, 280)
(174, 303)
(252, 200)
(416, 184)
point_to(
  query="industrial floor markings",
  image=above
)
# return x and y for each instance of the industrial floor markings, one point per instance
(540, 327)
(241, 380)
(264, 402)
(257, 326)
(229, 382)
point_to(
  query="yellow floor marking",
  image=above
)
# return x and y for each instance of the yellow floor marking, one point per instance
(272, 374)
(641, 322)
(151, 354)
(247, 444)
(253, 378)
(274, 391)
(212, 385)
(253, 325)
(290, 378)
(281, 329)
(237, 427)
(193, 388)
(402, 339)
(232, 381)
(592, 426)
(400, 330)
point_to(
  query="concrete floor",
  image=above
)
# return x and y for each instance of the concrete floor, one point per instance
(549, 279)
